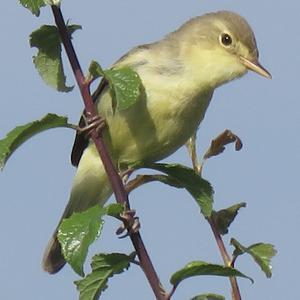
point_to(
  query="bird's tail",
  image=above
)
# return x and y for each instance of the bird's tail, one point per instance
(90, 186)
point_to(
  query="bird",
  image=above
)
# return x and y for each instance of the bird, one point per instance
(179, 73)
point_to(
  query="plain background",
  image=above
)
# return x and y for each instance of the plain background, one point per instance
(36, 181)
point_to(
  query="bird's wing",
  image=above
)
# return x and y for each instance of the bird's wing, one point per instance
(81, 140)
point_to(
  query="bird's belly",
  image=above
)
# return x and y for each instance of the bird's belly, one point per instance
(151, 131)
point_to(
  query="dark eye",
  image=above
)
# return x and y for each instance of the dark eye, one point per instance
(226, 39)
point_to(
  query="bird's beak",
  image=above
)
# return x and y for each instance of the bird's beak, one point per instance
(256, 67)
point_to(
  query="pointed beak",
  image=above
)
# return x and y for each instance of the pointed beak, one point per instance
(255, 66)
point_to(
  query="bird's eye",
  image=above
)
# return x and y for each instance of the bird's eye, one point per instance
(226, 39)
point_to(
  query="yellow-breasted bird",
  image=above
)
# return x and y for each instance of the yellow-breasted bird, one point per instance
(179, 74)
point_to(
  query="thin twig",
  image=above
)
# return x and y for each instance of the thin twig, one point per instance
(236, 295)
(114, 178)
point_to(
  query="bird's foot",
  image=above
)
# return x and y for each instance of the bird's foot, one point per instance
(95, 123)
(131, 223)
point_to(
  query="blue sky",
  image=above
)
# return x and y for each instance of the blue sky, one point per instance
(265, 114)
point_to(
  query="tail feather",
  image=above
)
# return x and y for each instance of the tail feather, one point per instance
(53, 259)
(90, 186)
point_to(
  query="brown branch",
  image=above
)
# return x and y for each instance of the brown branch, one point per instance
(114, 178)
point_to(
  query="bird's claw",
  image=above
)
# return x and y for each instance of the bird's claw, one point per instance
(131, 223)
(93, 123)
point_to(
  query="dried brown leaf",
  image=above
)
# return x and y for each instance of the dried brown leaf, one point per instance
(218, 144)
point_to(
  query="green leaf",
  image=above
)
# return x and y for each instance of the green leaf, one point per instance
(95, 70)
(22, 133)
(224, 217)
(48, 60)
(77, 233)
(125, 85)
(198, 187)
(114, 209)
(198, 268)
(104, 266)
(209, 297)
(33, 5)
(261, 253)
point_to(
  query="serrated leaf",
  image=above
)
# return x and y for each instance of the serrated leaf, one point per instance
(126, 86)
(77, 233)
(199, 188)
(33, 5)
(114, 209)
(48, 60)
(209, 297)
(51, 70)
(261, 253)
(22, 133)
(224, 217)
(103, 266)
(198, 268)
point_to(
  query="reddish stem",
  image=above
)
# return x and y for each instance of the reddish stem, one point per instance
(236, 295)
(115, 180)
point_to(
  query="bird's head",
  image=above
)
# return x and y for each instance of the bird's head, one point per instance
(220, 46)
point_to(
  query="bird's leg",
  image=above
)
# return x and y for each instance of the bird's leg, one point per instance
(191, 146)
